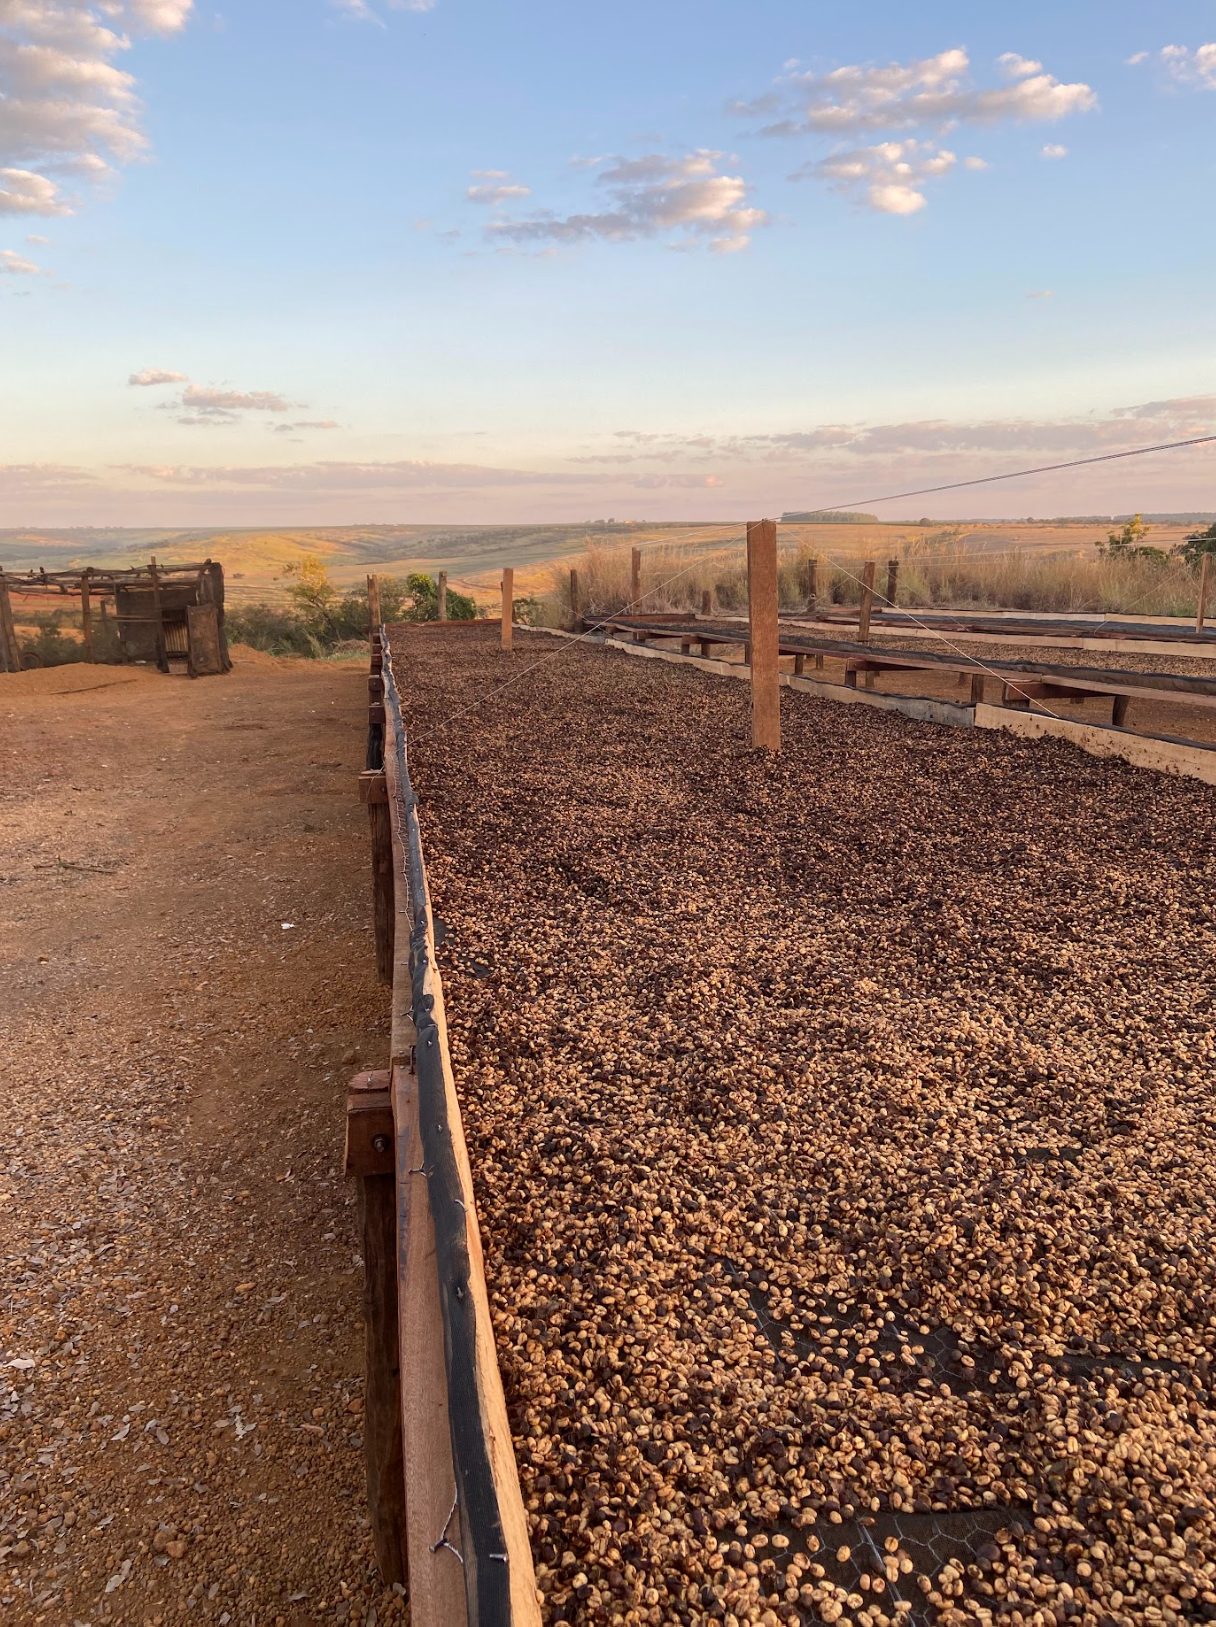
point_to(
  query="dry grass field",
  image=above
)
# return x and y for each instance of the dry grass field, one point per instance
(255, 560)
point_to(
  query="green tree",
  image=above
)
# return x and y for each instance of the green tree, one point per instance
(314, 596)
(423, 592)
(1195, 546)
(1129, 543)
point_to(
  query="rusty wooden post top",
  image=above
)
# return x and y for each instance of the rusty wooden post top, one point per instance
(763, 634)
(508, 606)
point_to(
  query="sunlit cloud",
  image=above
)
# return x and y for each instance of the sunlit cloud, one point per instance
(934, 95)
(156, 375)
(687, 200)
(67, 110)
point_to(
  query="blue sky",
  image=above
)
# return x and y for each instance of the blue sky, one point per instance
(687, 258)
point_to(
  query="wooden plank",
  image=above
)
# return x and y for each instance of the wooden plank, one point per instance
(867, 602)
(10, 650)
(1203, 592)
(379, 817)
(493, 1406)
(436, 1576)
(383, 1451)
(441, 596)
(437, 1581)
(86, 616)
(763, 634)
(162, 656)
(508, 607)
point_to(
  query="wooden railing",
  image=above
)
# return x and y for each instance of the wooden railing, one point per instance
(443, 1491)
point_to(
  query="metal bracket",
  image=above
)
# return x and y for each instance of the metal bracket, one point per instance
(370, 1141)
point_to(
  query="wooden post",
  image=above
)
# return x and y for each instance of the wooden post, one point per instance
(1120, 703)
(867, 601)
(635, 579)
(576, 609)
(382, 1448)
(162, 654)
(977, 689)
(812, 582)
(892, 580)
(86, 615)
(441, 594)
(508, 606)
(373, 605)
(383, 913)
(1203, 592)
(707, 602)
(10, 650)
(763, 638)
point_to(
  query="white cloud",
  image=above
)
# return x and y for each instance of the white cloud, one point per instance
(1135, 61)
(24, 193)
(364, 12)
(1053, 150)
(66, 108)
(1041, 293)
(889, 175)
(156, 375)
(306, 423)
(656, 195)
(494, 186)
(1018, 67)
(13, 265)
(408, 474)
(688, 482)
(934, 94)
(1195, 68)
(935, 91)
(40, 241)
(209, 400)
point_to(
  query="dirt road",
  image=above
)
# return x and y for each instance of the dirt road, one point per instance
(186, 980)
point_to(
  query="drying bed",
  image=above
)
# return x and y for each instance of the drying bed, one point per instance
(841, 1127)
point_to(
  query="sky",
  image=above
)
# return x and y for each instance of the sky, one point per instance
(303, 262)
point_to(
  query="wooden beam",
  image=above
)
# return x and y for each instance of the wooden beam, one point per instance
(86, 615)
(373, 604)
(811, 586)
(576, 605)
(441, 595)
(162, 654)
(1120, 703)
(892, 580)
(635, 578)
(1203, 592)
(763, 635)
(379, 817)
(707, 601)
(10, 651)
(437, 1577)
(508, 606)
(383, 1453)
(867, 601)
